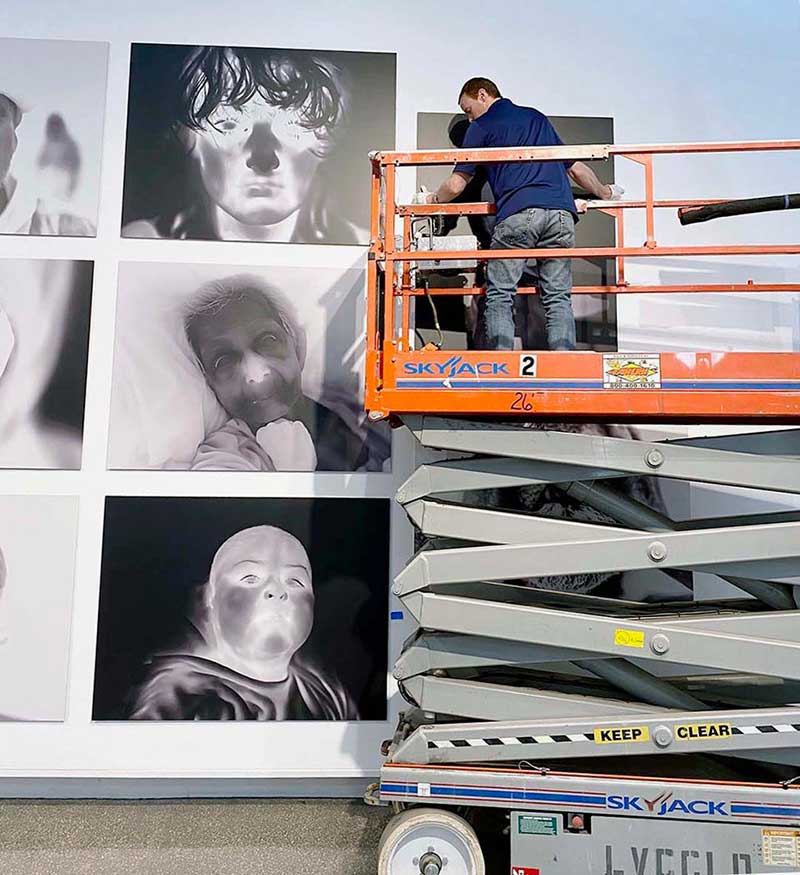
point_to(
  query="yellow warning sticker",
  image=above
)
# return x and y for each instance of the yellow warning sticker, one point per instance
(780, 847)
(628, 638)
(621, 734)
(695, 731)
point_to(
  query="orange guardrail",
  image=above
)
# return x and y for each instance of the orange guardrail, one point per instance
(693, 386)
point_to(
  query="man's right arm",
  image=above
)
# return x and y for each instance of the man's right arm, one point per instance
(455, 184)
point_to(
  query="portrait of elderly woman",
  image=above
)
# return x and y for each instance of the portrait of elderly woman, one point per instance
(44, 342)
(252, 626)
(251, 350)
(254, 144)
(217, 368)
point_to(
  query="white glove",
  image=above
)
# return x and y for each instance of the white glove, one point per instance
(288, 444)
(581, 205)
(616, 191)
(422, 196)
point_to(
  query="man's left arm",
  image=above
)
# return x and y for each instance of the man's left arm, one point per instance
(585, 177)
(450, 189)
(455, 184)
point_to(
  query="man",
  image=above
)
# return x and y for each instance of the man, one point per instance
(22, 210)
(535, 209)
(252, 350)
(257, 612)
(258, 126)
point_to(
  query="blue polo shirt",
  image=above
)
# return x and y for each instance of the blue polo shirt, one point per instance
(521, 185)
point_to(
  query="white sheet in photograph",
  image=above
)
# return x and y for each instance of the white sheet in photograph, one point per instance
(37, 565)
(225, 368)
(52, 105)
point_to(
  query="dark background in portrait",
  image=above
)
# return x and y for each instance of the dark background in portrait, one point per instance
(156, 167)
(595, 315)
(157, 551)
(63, 400)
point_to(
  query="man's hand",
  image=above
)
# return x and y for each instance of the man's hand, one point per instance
(615, 192)
(423, 196)
(581, 205)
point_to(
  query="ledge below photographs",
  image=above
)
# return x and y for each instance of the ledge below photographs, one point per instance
(183, 788)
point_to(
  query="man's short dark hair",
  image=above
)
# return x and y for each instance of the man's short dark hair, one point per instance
(292, 80)
(472, 86)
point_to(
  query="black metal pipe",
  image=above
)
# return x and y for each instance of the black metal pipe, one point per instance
(742, 207)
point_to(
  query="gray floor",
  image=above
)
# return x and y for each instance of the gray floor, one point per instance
(201, 837)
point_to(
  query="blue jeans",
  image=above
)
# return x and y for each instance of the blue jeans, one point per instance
(531, 229)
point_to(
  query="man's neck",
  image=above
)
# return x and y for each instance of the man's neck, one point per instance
(228, 228)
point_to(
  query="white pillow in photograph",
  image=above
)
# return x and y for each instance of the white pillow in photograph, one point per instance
(161, 405)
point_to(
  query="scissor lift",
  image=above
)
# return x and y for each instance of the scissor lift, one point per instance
(519, 693)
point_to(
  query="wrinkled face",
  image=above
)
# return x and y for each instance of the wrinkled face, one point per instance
(258, 161)
(250, 360)
(475, 107)
(9, 119)
(263, 595)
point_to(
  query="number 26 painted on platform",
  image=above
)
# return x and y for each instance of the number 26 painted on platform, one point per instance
(523, 401)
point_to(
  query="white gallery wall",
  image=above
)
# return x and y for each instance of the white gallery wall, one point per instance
(676, 71)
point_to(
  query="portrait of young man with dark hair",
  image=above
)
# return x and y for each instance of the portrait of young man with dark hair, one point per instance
(254, 144)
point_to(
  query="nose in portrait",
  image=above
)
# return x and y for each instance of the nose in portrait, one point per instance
(274, 588)
(255, 369)
(262, 147)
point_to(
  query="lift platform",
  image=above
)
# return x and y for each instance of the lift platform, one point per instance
(610, 736)
(691, 386)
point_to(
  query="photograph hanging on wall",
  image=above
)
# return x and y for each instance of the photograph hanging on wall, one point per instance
(243, 609)
(44, 342)
(37, 566)
(225, 368)
(595, 315)
(52, 103)
(254, 144)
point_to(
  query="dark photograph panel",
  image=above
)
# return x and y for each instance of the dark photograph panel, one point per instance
(595, 315)
(254, 144)
(220, 368)
(44, 343)
(52, 102)
(243, 609)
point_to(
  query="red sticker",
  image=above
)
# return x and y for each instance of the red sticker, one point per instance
(523, 870)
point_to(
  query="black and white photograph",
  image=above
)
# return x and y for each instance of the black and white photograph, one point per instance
(52, 106)
(595, 315)
(243, 609)
(37, 567)
(254, 144)
(225, 368)
(44, 342)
